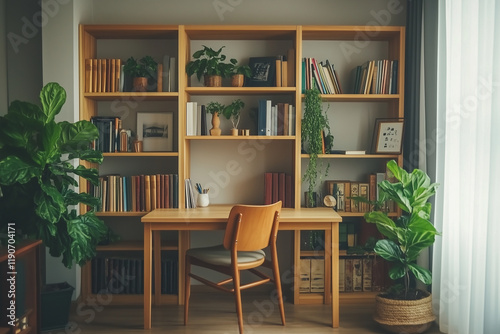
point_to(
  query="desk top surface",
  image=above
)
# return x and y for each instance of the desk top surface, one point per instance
(219, 213)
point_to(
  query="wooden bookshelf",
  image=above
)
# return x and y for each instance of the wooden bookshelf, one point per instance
(180, 41)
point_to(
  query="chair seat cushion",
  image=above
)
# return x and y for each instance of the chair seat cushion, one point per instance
(218, 255)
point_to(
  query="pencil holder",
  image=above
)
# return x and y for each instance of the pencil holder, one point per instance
(203, 200)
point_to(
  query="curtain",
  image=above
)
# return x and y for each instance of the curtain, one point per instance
(412, 149)
(466, 261)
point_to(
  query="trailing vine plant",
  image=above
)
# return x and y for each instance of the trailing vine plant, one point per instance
(314, 122)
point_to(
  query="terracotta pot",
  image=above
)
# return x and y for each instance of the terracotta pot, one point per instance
(213, 81)
(215, 130)
(404, 316)
(237, 80)
(140, 84)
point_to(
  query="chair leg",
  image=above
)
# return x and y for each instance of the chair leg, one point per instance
(237, 298)
(187, 288)
(277, 282)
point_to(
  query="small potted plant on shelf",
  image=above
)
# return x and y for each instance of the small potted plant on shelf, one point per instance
(142, 71)
(404, 308)
(314, 122)
(215, 108)
(209, 64)
(238, 73)
(232, 112)
(37, 177)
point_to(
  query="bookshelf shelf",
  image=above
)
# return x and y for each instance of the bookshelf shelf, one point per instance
(137, 97)
(240, 90)
(353, 156)
(228, 137)
(141, 154)
(134, 245)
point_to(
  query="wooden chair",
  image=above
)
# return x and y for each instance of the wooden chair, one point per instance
(250, 229)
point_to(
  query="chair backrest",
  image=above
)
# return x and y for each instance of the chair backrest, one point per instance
(255, 227)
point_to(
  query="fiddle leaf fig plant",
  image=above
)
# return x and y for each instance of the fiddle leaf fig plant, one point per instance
(412, 232)
(38, 177)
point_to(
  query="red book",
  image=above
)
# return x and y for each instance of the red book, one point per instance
(268, 188)
(288, 191)
(275, 187)
(281, 188)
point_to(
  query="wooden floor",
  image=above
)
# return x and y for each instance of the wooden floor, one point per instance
(212, 312)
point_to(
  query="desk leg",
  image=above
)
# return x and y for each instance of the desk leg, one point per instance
(335, 273)
(147, 274)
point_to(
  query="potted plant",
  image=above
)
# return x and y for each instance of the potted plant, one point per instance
(232, 112)
(313, 124)
(404, 308)
(238, 73)
(37, 177)
(215, 108)
(209, 64)
(142, 72)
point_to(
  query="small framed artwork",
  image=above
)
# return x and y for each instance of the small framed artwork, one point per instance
(156, 131)
(263, 72)
(388, 136)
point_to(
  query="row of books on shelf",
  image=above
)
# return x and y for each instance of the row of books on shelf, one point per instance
(120, 275)
(320, 75)
(361, 274)
(112, 137)
(376, 77)
(343, 190)
(276, 119)
(105, 75)
(136, 193)
(197, 122)
(278, 186)
(312, 275)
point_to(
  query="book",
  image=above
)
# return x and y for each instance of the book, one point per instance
(357, 275)
(341, 274)
(305, 275)
(367, 274)
(348, 274)
(317, 275)
(348, 152)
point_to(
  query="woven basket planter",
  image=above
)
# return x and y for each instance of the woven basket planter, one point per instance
(404, 316)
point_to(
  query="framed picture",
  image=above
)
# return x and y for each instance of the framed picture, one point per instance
(263, 72)
(156, 131)
(388, 136)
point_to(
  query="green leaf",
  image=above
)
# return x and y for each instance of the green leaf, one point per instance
(77, 136)
(49, 203)
(420, 273)
(74, 198)
(87, 155)
(53, 97)
(397, 271)
(90, 174)
(388, 250)
(385, 225)
(14, 170)
(416, 242)
(85, 231)
(50, 135)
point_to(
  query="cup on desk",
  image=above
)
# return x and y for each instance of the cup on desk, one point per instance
(202, 200)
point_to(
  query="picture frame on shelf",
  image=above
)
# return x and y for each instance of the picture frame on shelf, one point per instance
(263, 72)
(388, 136)
(156, 131)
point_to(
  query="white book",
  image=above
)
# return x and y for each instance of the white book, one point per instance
(189, 118)
(268, 117)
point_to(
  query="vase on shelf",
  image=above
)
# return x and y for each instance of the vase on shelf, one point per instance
(215, 130)
(213, 81)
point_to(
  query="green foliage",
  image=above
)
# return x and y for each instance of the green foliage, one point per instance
(145, 67)
(214, 107)
(232, 111)
(37, 177)
(239, 69)
(410, 233)
(313, 124)
(210, 62)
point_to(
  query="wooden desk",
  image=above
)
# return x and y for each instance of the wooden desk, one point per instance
(214, 218)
